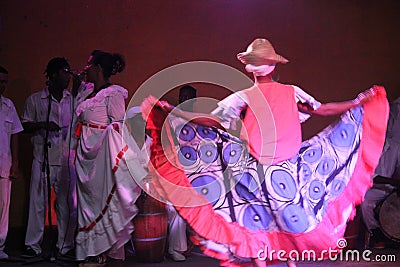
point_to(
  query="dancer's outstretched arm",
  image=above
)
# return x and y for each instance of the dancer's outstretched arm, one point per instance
(205, 119)
(336, 108)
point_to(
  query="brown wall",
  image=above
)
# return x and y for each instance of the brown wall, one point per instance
(336, 48)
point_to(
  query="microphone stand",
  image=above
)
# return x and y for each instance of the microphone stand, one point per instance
(46, 170)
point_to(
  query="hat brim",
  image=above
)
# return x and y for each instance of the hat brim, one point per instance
(257, 60)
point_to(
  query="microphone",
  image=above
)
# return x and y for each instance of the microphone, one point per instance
(76, 74)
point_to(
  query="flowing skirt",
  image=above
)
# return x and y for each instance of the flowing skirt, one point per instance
(241, 209)
(107, 192)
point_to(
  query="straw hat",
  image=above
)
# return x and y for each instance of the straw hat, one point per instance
(260, 52)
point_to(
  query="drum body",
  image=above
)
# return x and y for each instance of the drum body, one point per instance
(352, 234)
(150, 234)
(389, 217)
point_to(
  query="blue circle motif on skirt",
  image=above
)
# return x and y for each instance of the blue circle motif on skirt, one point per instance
(295, 218)
(185, 132)
(232, 153)
(343, 135)
(283, 184)
(316, 190)
(256, 217)
(206, 132)
(187, 155)
(208, 153)
(207, 186)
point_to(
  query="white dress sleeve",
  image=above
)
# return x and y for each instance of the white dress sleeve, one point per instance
(116, 107)
(303, 97)
(230, 108)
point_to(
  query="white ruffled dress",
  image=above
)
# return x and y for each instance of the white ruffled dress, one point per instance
(107, 190)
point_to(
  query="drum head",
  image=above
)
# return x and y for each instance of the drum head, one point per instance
(389, 217)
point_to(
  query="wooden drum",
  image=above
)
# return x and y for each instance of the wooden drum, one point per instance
(352, 232)
(150, 234)
(389, 216)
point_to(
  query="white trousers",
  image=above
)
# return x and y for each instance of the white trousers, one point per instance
(177, 239)
(5, 193)
(64, 183)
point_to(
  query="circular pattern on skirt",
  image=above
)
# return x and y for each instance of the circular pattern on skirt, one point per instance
(206, 132)
(325, 166)
(255, 217)
(208, 187)
(316, 190)
(187, 155)
(295, 218)
(232, 153)
(337, 187)
(208, 153)
(283, 185)
(343, 135)
(312, 155)
(185, 132)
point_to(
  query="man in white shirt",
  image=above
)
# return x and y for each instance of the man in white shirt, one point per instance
(9, 127)
(48, 114)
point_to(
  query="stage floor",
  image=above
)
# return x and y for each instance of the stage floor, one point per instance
(378, 257)
(388, 257)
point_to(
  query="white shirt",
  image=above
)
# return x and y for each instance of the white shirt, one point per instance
(9, 124)
(36, 110)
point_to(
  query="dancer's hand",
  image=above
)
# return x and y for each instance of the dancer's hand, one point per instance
(151, 102)
(166, 106)
(366, 96)
(147, 105)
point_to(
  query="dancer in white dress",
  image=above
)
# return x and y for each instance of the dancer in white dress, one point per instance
(107, 190)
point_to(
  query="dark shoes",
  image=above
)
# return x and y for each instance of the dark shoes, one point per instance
(29, 253)
(95, 261)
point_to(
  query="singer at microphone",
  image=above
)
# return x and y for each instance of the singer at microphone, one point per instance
(77, 80)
